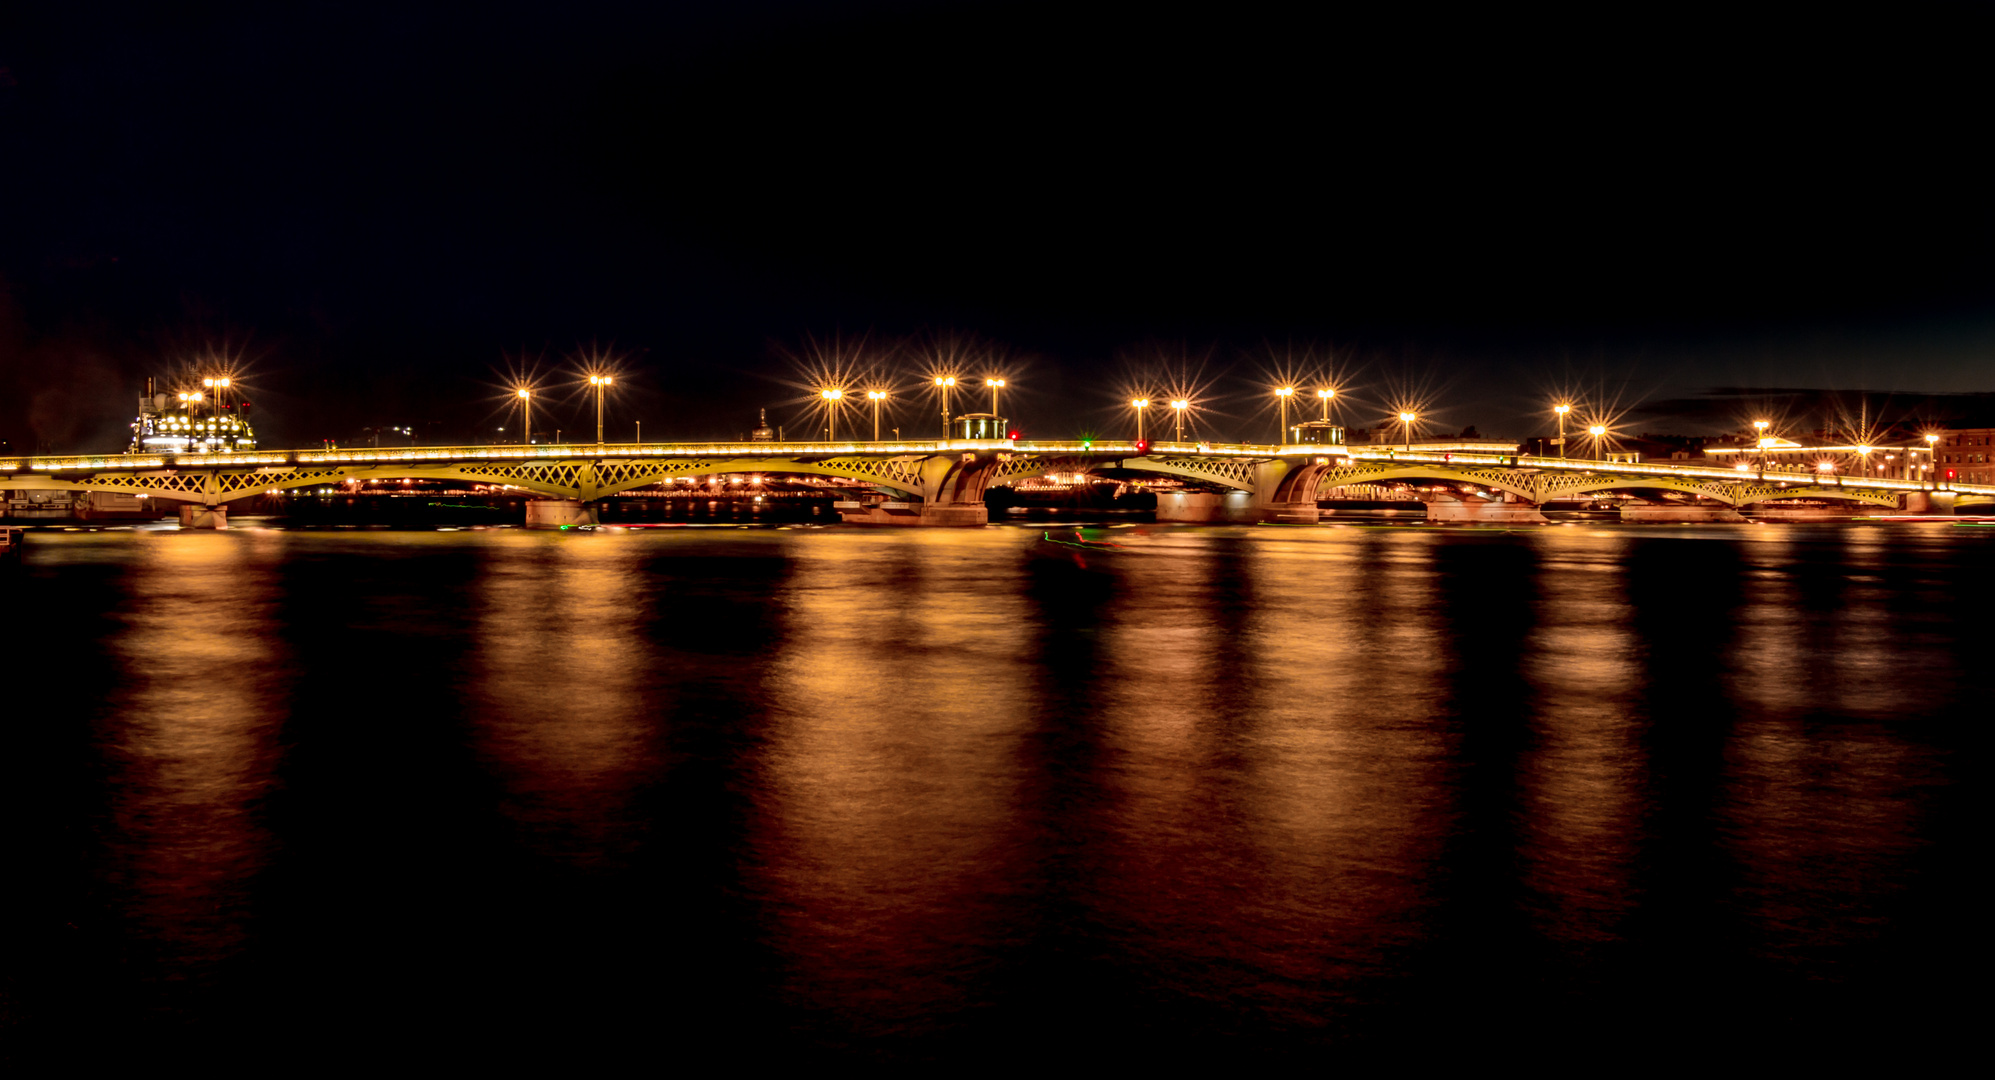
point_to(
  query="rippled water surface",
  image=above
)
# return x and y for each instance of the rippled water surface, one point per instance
(973, 796)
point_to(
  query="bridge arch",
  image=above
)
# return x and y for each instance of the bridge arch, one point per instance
(1718, 492)
(1387, 472)
(1757, 495)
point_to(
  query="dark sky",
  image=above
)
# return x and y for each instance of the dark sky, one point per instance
(375, 205)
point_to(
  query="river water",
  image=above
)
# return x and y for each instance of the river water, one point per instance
(749, 794)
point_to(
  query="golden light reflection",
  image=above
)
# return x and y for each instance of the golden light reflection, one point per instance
(193, 738)
(562, 663)
(1330, 768)
(1582, 777)
(898, 711)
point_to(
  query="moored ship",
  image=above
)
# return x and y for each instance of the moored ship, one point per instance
(208, 419)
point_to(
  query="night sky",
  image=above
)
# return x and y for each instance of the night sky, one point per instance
(375, 207)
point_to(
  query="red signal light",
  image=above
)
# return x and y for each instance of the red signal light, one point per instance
(1949, 474)
(1012, 434)
(1142, 446)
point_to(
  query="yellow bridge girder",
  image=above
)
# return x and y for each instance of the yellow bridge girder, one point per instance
(932, 470)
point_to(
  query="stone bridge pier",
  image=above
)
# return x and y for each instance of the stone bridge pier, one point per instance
(560, 513)
(952, 493)
(1466, 509)
(1283, 493)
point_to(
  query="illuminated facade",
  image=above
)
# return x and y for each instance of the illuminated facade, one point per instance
(1967, 455)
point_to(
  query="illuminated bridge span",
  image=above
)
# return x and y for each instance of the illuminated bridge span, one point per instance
(943, 482)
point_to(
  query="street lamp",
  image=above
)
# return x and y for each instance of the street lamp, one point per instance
(1325, 395)
(831, 397)
(1282, 394)
(1180, 405)
(601, 383)
(1933, 459)
(1598, 432)
(876, 396)
(1761, 426)
(995, 385)
(1406, 420)
(1562, 409)
(944, 382)
(1139, 404)
(526, 411)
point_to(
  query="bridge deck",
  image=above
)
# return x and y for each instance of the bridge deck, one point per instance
(1454, 454)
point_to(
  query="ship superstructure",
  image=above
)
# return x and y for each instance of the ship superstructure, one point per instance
(204, 419)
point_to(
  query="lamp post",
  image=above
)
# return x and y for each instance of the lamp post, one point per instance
(1562, 409)
(995, 385)
(1761, 426)
(526, 412)
(831, 397)
(1933, 459)
(1282, 394)
(1179, 406)
(1598, 432)
(1406, 420)
(1325, 395)
(601, 383)
(1139, 404)
(876, 396)
(944, 382)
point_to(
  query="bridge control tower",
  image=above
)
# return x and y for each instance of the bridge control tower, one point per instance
(978, 425)
(1319, 433)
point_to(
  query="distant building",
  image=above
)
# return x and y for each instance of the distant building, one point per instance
(1966, 455)
(763, 432)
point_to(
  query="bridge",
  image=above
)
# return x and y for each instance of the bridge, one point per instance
(943, 482)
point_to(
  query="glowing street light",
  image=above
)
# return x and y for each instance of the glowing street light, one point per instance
(526, 410)
(1282, 394)
(943, 383)
(1765, 441)
(1406, 420)
(1325, 395)
(1180, 405)
(1598, 432)
(1562, 408)
(1933, 458)
(1139, 404)
(876, 396)
(600, 383)
(831, 396)
(995, 385)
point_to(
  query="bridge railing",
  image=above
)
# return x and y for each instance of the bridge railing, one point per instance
(1697, 472)
(1443, 453)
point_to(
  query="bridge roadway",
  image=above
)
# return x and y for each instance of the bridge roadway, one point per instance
(943, 482)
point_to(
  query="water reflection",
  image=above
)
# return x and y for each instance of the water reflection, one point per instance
(190, 744)
(929, 793)
(896, 710)
(1581, 778)
(560, 714)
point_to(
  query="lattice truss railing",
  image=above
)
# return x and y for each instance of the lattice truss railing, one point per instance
(1223, 472)
(1747, 494)
(1018, 467)
(559, 477)
(1551, 486)
(192, 485)
(902, 473)
(234, 485)
(1367, 474)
